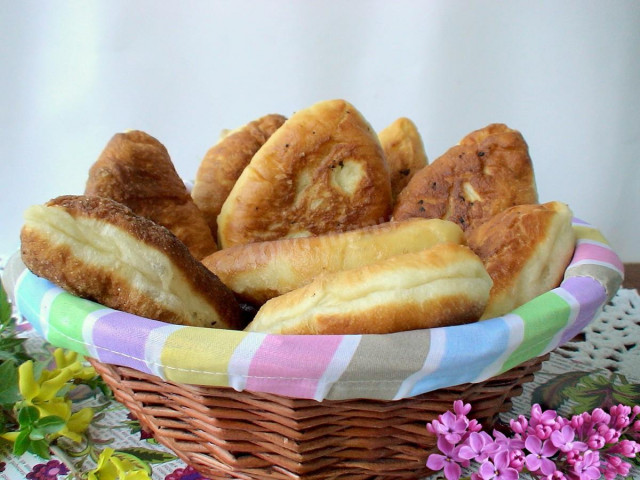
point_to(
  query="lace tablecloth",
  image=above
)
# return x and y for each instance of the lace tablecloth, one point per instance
(600, 367)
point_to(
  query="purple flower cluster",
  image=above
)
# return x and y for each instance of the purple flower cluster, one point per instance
(547, 446)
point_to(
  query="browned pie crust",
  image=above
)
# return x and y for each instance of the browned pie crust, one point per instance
(323, 170)
(224, 162)
(526, 250)
(404, 152)
(99, 249)
(135, 169)
(487, 172)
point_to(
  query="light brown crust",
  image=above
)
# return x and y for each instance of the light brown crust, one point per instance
(487, 172)
(441, 286)
(84, 244)
(322, 171)
(526, 250)
(404, 152)
(259, 271)
(224, 162)
(135, 169)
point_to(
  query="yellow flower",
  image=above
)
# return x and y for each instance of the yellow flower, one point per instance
(44, 392)
(67, 359)
(118, 466)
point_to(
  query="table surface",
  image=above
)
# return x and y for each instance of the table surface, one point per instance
(605, 354)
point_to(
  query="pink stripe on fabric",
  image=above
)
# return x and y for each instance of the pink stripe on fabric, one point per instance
(273, 369)
(589, 251)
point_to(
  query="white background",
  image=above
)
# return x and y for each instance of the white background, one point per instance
(566, 74)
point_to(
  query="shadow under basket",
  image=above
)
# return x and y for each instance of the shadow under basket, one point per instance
(227, 434)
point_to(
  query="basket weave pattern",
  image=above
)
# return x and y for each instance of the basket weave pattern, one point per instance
(227, 434)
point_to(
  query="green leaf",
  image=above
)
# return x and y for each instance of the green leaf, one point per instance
(50, 424)
(28, 416)
(9, 393)
(592, 392)
(36, 434)
(22, 442)
(147, 455)
(11, 343)
(5, 308)
(552, 394)
(40, 448)
(628, 394)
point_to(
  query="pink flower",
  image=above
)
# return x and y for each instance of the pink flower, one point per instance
(498, 470)
(627, 448)
(600, 416)
(596, 442)
(614, 466)
(511, 449)
(461, 409)
(610, 435)
(478, 447)
(538, 417)
(557, 475)
(563, 439)
(587, 468)
(520, 425)
(506, 443)
(450, 426)
(538, 459)
(448, 461)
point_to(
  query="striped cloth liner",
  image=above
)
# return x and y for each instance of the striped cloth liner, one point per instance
(385, 367)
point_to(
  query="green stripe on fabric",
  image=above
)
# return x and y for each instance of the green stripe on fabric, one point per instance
(66, 319)
(547, 312)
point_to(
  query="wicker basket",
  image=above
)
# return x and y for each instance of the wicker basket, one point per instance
(223, 433)
(254, 406)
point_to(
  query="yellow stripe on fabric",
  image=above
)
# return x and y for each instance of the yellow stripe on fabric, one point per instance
(199, 356)
(584, 232)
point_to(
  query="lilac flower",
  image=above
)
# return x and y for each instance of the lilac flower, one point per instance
(538, 459)
(596, 441)
(517, 459)
(610, 435)
(450, 426)
(538, 417)
(461, 409)
(550, 446)
(587, 468)
(563, 439)
(510, 448)
(520, 425)
(557, 475)
(498, 470)
(627, 448)
(448, 461)
(614, 466)
(600, 416)
(506, 443)
(478, 447)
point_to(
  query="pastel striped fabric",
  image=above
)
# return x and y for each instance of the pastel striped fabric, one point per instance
(321, 367)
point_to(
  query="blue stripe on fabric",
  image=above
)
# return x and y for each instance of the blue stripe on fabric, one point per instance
(468, 350)
(30, 293)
